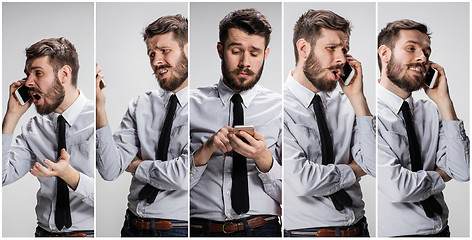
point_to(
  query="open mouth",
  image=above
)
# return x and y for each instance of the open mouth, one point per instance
(418, 70)
(336, 75)
(36, 97)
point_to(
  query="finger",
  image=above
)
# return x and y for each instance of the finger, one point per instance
(220, 145)
(64, 155)
(42, 170)
(248, 137)
(258, 136)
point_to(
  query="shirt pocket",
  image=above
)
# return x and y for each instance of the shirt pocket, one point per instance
(399, 145)
(308, 140)
(81, 153)
(178, 140)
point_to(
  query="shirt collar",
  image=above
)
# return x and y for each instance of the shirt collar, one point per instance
(225, 94)
(304, 95)
(393, 101)
(72, 112)
(182, 96)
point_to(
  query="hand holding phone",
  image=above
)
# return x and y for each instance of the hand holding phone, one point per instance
(23, 95)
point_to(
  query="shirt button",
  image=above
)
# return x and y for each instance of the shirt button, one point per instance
(421, 199)
(194, 170)
(228, 214)
(269, 193)
(140, 213)
(191, 174)
(53, 228)
(462, 125)
(228, 192)
(349, 220)
(437, 229)
(328, 193)
(229, 170)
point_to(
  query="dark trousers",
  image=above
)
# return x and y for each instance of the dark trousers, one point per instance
(311, 232)
(128, 230)
(270, 229)
(40, 232)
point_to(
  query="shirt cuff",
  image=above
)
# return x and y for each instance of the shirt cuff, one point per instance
(274, 173)
(196, 172)
(454, 129)
(142, 173)
(103, 134)
(347, 178)
(437, 183)
(365, 124)
(84, 189)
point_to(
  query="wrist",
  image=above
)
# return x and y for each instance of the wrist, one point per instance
(264, 161)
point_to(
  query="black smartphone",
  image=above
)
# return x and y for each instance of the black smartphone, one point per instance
(23, 95)
(430, 78)
(348, 73)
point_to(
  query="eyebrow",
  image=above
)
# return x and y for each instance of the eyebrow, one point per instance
(417, 43)
(240, 44)
(32, 68)
(157, 47)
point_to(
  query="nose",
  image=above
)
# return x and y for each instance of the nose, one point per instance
(30, 81)
(158, 59)
(421, 58)
(339, 57)
(244, 61)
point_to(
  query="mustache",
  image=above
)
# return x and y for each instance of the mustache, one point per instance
(156, 69)
(243, 70)
(422, 66)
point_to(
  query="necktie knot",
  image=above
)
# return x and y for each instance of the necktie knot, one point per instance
(236, 99)
(173, 99)
(405, 107)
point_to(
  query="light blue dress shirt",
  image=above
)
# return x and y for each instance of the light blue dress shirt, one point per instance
(38, 141)
(307, 181)
(211, 109)
(138, 135)
(443, 144)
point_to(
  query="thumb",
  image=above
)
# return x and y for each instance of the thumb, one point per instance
(64, 155)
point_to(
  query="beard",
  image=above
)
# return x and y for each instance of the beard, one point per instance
(317, 74)
(407, 83)
(231, 79)
(52, 99)
(179, 74)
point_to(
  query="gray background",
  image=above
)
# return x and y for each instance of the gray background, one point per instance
(205, 64)
(121, 53)
(449, 24)
(362, 47)
(24, 24)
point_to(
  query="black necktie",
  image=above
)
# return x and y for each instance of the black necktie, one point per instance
(62, 213)
(239, 189)
(340, 198)
(430, 205)
(149, 192)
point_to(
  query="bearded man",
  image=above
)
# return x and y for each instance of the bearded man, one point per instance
(152, 140)
(422, 144)
(329, 138)
(57, 145)
(235, 177)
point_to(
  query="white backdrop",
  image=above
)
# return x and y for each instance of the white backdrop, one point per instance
(22, 25)
(449, 25)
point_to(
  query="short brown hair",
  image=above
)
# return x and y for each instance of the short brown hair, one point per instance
(176, 24)
(248, 20)
(311, 22)
(389, 34)
(60, 51)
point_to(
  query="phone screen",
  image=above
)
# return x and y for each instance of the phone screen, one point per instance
(429, 76)
(24, 93)
(347, 73)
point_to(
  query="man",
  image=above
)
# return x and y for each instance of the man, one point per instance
(329, 134)
(422, 144)
(235, 178)
(57, 145)
(152, 139)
